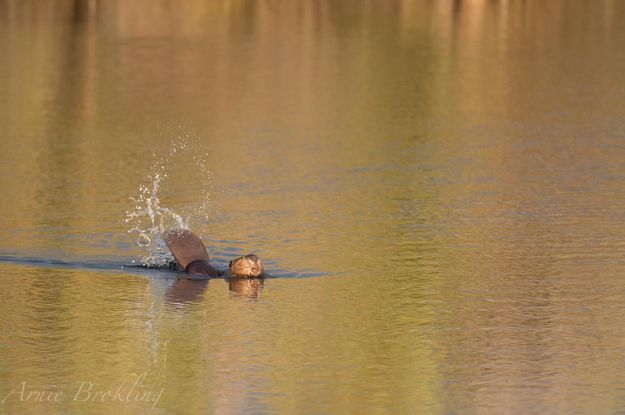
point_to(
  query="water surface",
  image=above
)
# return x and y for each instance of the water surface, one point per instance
(439, 188)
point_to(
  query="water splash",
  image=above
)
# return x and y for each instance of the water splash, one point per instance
(150, 218)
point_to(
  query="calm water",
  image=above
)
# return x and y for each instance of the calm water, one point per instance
(439, 188)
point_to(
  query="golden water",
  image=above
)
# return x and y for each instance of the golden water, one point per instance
(439, 188)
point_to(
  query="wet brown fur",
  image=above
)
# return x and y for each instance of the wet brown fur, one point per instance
(248, 266)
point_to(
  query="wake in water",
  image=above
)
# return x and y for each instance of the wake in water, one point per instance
(150, 218)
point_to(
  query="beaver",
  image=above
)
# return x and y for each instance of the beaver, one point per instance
(191, 255)
(248, 266)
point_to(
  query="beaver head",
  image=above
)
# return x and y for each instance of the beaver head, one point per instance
(248, 266)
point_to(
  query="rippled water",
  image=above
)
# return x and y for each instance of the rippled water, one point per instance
(438, 189)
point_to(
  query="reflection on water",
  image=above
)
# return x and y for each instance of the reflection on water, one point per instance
(247, 288)
(451, 173)
(186, 290)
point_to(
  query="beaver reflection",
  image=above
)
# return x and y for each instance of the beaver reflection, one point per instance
(185, 290)
(248, 288)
